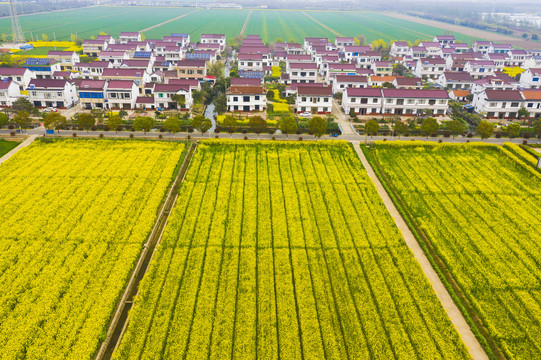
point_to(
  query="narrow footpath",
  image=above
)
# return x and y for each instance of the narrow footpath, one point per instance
(168, 21)
(342, 120)
(474, 347)
(24, 144)
(321, 24)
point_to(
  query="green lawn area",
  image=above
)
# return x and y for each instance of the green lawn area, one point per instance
(7, 146)
(44, 50)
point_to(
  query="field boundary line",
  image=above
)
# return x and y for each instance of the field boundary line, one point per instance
(245, 23)
(120, 319)
(321, 24)
(475, 349)
(13, 151)
(168, 21)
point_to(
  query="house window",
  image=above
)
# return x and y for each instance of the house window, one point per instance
(388, 101)
(530, 105)
(246, 98)
(515, 104)
(374, 101)
(257, 97)
(492, 104)
(411, 101)
(160, 95)
(304, 99)
(325, 99)
(235, 98)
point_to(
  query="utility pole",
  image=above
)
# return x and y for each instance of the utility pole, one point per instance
(16, 29)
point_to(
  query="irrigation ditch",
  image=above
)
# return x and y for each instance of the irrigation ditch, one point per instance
(120, 319)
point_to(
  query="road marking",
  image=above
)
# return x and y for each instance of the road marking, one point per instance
(168, 21)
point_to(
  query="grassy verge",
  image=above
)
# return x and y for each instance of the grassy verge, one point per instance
(6, 146)
(442, 269)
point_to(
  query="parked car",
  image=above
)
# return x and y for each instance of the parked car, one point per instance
(50, 109)
(306, 114)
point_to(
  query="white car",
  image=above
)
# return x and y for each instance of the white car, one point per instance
(50, 109)
(306, 114)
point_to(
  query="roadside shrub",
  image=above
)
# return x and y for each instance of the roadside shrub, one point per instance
(131, 136)
(524, 142)
(74, 134)
(188, 137)
(498, 135)
(300, 138)
(274, 138)
(246, 138)
(440, 141)
(12, 133)
(216, 136)
(11, 127)
(447, 134)
(526, 135)
(244, 131)
(434, 135)
(160, 136)
(106, 128)
(470, 135)
(101, 136)
(94, 128)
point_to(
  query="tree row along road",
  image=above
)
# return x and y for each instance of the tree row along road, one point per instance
(168, 21)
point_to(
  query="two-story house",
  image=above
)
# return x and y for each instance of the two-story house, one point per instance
(9, 92)
(92, 70)
(302, 72)
(314, 99)
(430, 68)
(214, 39)
(531, 78)
(165, 96)
(399, 49)
(459, 80)
(121, 94)
(363, 101)
(481, 46)
(52, 93)
(414, 102)
(407, 82)
(246, 98)
(250, 62)
(532, 102)
(67, 59)
(382, 68)
(445, 40)
(93, 48)
(192, 69)
(480, 68)
(92, 94)
(127, 36)
(20, 76)
(498, 104)
(342, 82)
(42, 68)
(114, 57)
(139, 76)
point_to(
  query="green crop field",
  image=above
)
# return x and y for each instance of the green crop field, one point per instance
(478, 206)
(284, 250)
(270, 24)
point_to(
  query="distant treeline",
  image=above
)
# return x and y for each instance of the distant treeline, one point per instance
(34, 7)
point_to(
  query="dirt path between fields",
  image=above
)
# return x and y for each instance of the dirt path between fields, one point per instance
(474, 347)
(476, 33)
(168, 21)
(13, 151)
(321, 24)
(245, 23)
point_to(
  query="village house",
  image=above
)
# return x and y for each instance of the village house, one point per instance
(114, 57)
(214, 39)
(165, 95)
(9, 92)
(480, 68)
(52, 93)
(314, 99)
(379, 81)
(399, 49)
(362, 101)
(42, 68)
(92, 94)
(246, 98)
(302, 72)
(192, 69)
(414, 102)
(429, 68)
(180, 39)
(407, 83)
(499, 48)
(432, 48)
(532, 102)
(531, 78)
(67, 59)
(250, 62)
(339, 69)
(365, 60)
(93, 48)
(516, 58)
(92, 70)
(121, 94)
(481, 46)
(20, 76)
(460, 80)
(139, 76)
(127, 36)
(382, 68)
(498, 104)
(495, 82)
(342, 82)
(459, 95)
(444, 40)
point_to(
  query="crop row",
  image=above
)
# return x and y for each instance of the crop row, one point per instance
(284, 250)
(479, 206)
(74, 216)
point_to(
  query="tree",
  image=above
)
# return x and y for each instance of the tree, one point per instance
(270, 95)
(485, 129)
(180, 99)
(220, 104)
(197, 96)
(4, 119)
(172, 124)
(400, 70)
(522, 112)
(352, 113)
(400, 128)
(122, 114)
(360, 40)
(258, 124)
(429, 126)
(230, 123)
(201, 123)
(455, 127)
(44, 37)
(216, 68)
(317, 126)
(144, 123)
(54, 120)
(370, 128)
(537, 127)
(513, 130)
(98, 114)
(86, 121)
(288, 125)
(114, 122)
(23, 104)
(22, 119)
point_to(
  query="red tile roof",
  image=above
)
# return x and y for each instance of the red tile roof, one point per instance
(414, 93)
(368, 92)
(314, 90)
(513, 95)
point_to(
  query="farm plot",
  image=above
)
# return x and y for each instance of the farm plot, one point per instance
(284, 250)
(75, 214)
(7, 146)
(286, 25)
(376, 26)
(228, 22)
(478, 206)
(91, 21)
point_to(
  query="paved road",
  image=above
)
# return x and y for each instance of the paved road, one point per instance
(474, 347)
(341, 119)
